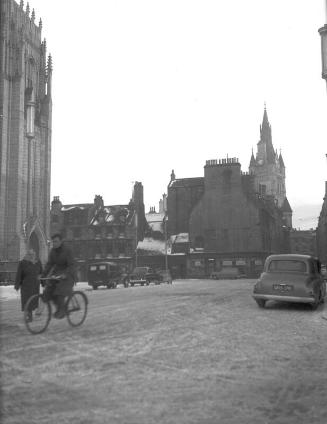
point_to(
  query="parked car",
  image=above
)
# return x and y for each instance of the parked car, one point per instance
(165, 276)
(104, 274)
(290, 278)
(143, 275)
(226, 273)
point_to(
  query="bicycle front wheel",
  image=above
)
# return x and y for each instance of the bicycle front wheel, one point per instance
(76, 308)
(37, 314)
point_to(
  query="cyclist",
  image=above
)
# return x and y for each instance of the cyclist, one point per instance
(60, 264)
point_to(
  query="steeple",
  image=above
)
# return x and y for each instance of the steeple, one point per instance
(266, 152)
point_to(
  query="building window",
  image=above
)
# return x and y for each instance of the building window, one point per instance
(121, 248)
(97, 250)
(262, 189)
(109, 248)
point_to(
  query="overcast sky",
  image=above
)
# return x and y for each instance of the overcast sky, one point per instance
(144, 87)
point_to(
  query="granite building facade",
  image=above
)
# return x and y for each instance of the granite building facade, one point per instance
(25, 130)
(233, 216)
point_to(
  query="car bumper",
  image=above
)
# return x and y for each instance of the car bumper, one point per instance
(295, 299)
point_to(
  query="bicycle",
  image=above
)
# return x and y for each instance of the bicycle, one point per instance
(75, 309)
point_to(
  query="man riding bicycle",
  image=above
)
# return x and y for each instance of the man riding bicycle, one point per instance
(60, 264)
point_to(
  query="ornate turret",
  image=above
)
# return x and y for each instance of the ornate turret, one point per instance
(252, 160)
(268, 168)
(49, 75)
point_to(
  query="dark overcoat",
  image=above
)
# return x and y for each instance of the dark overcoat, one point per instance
(61, 261)
(27, 279)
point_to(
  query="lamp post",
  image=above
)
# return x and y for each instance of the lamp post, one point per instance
(323, 34)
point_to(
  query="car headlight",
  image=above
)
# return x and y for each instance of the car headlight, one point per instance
(256, 286)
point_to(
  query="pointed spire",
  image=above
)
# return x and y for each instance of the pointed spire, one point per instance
(252, 160)
(172, 176)
(28, 9)
(33, 15)
(21, 4)
(40, 23)
(281, 160)
(265, 116)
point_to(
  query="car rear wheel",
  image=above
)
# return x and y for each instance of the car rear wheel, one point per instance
(261, 302)
(315, 304)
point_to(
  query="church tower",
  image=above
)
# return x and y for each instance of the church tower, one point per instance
(25, 131)
(268, 169)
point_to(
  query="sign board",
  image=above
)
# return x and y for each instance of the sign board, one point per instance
(226, 263)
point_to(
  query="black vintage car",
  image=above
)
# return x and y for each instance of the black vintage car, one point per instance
(144, 275)
(106, 274)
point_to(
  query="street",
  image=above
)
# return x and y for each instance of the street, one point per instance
(197, 351)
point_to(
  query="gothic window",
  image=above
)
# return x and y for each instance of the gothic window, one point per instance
(109, 231)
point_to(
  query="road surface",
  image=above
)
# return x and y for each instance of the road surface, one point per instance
(198, 351)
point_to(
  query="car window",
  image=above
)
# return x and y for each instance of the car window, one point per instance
(140, 270)
(102, 267)
(287, 265)
(93, 268)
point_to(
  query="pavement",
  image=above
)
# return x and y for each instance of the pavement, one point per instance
(197, 351)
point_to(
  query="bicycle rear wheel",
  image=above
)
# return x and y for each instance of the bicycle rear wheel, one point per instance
(76, 308)
(37, 321)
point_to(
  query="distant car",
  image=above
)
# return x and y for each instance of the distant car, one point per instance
(165, 276)
(290, 278)
(144, 275)
(226, 273)
(104, 274)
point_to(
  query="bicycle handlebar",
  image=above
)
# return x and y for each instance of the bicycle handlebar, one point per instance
(53, 277)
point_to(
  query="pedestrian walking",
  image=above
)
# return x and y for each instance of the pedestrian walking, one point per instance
(27, 280)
